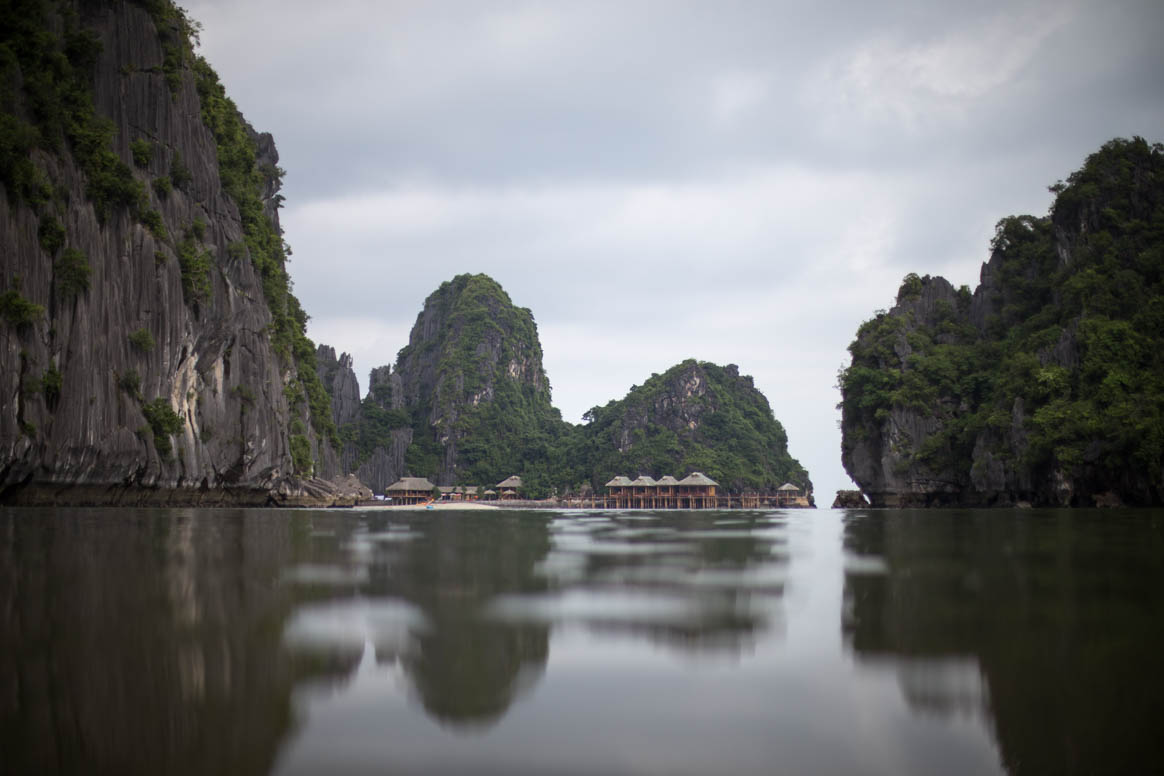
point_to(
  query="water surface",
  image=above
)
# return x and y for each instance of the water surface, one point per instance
(300, 642)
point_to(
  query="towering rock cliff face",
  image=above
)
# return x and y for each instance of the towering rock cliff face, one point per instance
(149, 346)
(696, 416)
(1045, 385)
(472, 382)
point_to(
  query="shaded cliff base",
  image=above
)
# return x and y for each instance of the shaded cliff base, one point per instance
(290, 492)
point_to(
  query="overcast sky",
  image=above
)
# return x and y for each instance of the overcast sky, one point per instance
(739, 182)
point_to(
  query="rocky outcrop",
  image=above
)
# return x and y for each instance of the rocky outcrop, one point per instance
(339, 380)
(694, 416)
(132, 378)
(850, 499)
(471, 379)
(1042, 387)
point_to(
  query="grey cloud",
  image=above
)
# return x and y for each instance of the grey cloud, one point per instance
(737, 181)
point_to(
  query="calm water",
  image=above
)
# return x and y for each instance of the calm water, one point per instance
(297, 642)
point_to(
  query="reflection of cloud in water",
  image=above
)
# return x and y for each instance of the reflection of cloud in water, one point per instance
(677, 618)
(865, 564)
(945, 687)
(325, 574)
(388, 625)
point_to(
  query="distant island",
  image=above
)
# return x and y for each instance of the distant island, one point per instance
(1045, 385)
(153, 351)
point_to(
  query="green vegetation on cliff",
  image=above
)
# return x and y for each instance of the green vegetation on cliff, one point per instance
(477, 399)
(1055, 367)
(696, 416)
(475, 388)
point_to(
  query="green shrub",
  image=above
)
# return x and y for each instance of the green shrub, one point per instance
(164, 422)
(153, 221)
(142, 340)
(180, 174)
(51, 235)
(17, 310)
(51, 384)
(130, 382)
(72, 273)
(301, 455)
(162, 187)
(143, 152)
(195, 263)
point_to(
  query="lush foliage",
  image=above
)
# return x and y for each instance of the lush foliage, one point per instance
(72, 273)
(17, 310)
(500, 421)
(1069, 346)
(696, 416)
(164, 422)
(142, 151)
(142, 340)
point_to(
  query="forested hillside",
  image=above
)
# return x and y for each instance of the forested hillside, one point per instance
(1046, 384)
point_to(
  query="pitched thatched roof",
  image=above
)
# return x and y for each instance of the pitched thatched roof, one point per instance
(619, 482)
(644, 482)
(511, 482)
(411, 483)
(667, 479)
(788, 486)
(699, 479)
(490, 492)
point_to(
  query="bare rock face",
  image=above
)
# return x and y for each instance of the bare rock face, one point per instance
(132, 337)
(339, 380)
(850, 499)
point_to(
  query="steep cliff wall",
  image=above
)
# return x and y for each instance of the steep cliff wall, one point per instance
(1046, 385)
(696, 416)
(149, 347)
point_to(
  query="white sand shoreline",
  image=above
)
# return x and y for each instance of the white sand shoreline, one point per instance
(443, 506)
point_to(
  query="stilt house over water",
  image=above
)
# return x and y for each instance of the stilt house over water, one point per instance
(695, 491)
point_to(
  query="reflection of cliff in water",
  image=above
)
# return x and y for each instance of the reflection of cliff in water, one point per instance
(1046, 622)
(467, 668)
(136, 641)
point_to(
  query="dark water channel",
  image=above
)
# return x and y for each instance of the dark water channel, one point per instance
(299, 642)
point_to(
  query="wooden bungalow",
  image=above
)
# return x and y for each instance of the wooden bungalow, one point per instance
(665, 491)
(619, 492)
(410, 490)
(643, 492)
(509, 487)
(696, 491)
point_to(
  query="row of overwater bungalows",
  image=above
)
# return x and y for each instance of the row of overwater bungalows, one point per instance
(695, 491)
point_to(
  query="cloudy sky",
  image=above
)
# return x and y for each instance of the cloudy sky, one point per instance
(739, 182)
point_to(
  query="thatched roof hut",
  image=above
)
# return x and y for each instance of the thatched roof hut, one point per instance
(698, 479)
(619, 482)
(411, 484)
(510, 482)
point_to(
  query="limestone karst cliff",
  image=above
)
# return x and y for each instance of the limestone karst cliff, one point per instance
(468, 403)
(471, 385)
(150, 348)
(1044, 385)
